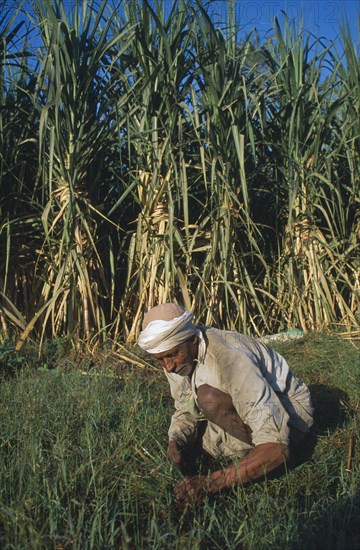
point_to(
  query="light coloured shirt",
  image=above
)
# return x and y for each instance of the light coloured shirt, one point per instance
(268, 397)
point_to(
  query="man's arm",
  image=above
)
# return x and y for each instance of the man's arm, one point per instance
(261, 460)
(183, 426)
(182, 435)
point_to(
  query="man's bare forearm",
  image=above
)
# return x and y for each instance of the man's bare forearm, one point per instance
(261, 460)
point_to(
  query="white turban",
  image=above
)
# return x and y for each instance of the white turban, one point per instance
(162, 335)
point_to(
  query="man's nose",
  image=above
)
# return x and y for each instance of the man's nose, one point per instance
(168, 364)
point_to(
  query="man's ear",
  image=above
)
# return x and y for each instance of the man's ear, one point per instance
(194, 339)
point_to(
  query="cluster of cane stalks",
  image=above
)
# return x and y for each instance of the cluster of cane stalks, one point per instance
(150, 151)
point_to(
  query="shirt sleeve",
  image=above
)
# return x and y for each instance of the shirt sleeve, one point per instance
(254, 399)
(184, 421)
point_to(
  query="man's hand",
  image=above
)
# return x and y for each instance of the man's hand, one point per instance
(174, 452)
(191, 490)
(181, 455)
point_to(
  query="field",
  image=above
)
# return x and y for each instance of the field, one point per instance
(83, 466)
(154, 152)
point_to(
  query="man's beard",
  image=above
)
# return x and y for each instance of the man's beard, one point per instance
(185, 369)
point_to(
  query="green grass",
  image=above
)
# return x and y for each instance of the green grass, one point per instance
(151, 151)
(82, 460)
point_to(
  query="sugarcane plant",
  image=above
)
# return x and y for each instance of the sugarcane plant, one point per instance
(76, 135)
(151, 152)
(303, 117)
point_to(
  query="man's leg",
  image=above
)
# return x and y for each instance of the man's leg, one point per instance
(218, 408)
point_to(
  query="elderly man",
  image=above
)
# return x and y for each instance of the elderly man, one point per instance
(232, 392)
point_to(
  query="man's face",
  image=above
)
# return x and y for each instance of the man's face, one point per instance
(181, 359)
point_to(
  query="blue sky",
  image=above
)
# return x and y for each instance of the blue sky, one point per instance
(321, 17)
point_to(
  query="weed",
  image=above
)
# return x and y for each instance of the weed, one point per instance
(83, 464)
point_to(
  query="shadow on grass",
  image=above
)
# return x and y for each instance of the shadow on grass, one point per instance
(331, 412)
(335, 527)
(331, 405)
